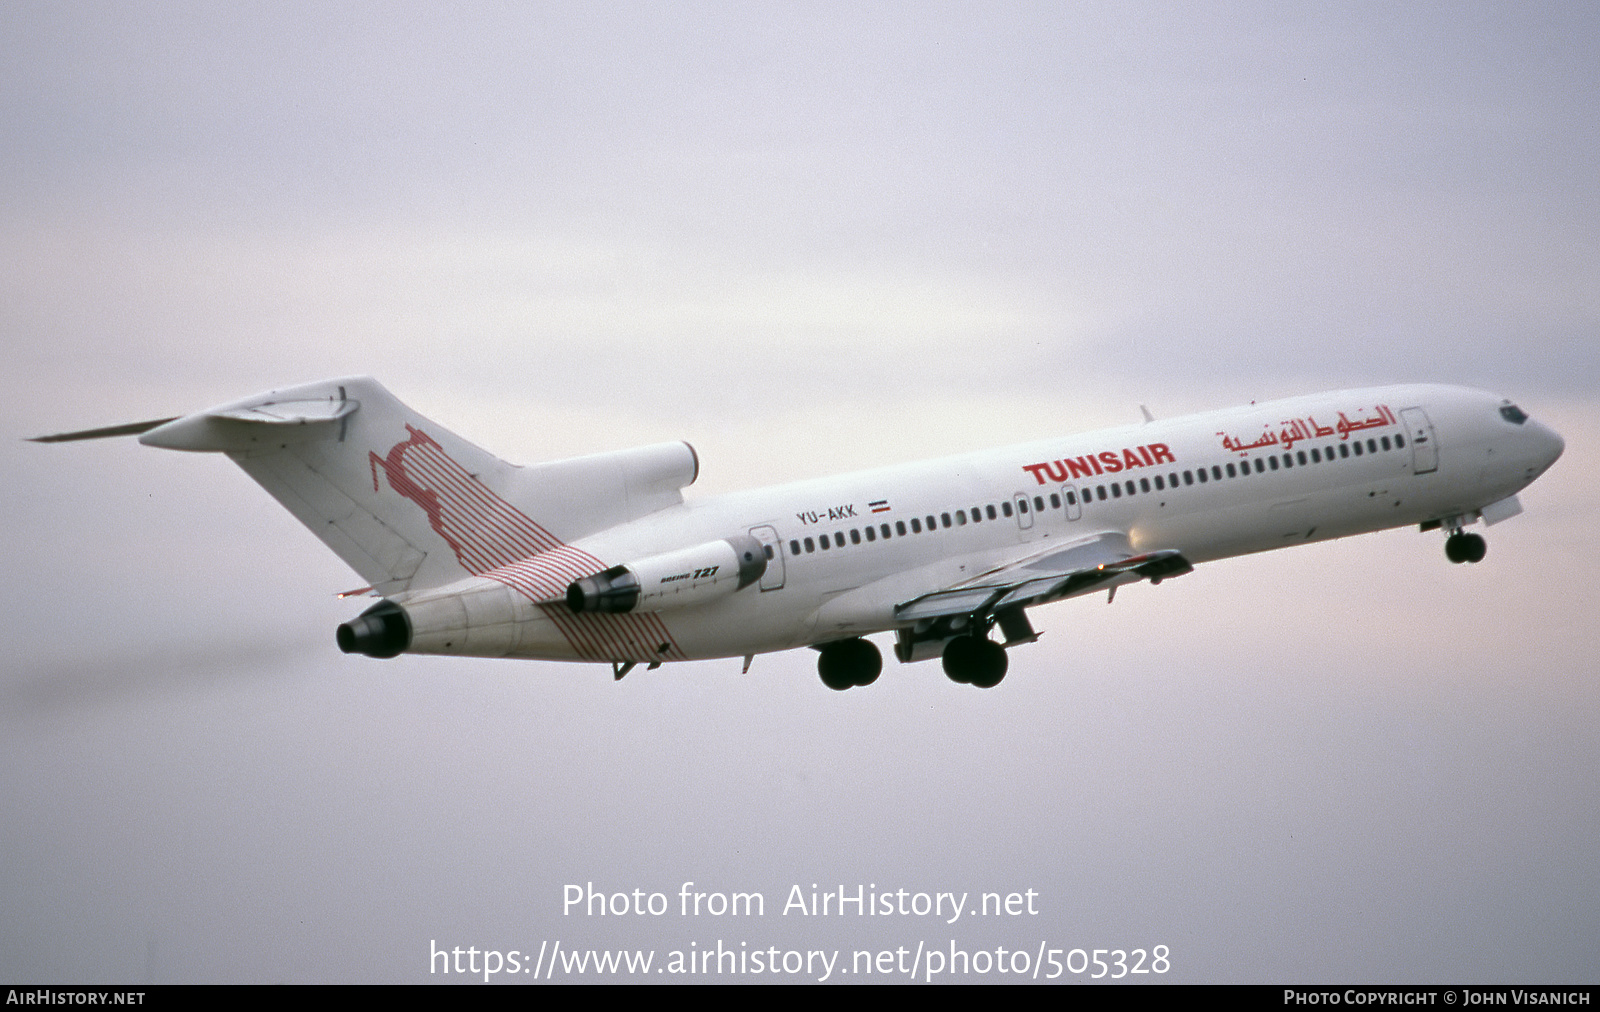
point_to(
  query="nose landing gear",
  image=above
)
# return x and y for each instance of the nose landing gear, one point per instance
(847, 663)
(1460, 547)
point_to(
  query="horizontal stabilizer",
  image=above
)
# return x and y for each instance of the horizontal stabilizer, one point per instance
(110, 431)
(289, 412)
(200, 431)
(244, 425)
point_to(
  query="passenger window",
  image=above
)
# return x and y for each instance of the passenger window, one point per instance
(990, 508)
(1272, 461)
(794, 547)
(1055, 500)
(1144, 484)
(899, 528)
(961, 519)
(808, 546)
(1038, 503)
(871, 534)
(1005, 508)
(1358, 447)
(1231, 472)
(1302, 455)
(838, 538)
(1344, 450)
(1159, 486)
(1116, 491)
(1216, 472)
(823, 543)
(1400, 441)
(945, 517)
(855, 536)
(1202, 475)
(916, 526)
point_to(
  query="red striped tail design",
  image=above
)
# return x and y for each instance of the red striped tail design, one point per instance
(493, 539)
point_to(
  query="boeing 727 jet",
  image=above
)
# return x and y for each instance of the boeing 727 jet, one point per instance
(601, 559)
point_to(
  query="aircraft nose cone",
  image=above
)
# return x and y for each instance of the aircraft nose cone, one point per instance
(1554, 444)
(1549, 444)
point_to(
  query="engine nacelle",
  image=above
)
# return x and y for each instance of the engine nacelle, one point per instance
(678, 579)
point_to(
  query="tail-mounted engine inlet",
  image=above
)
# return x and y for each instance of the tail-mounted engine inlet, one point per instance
(674, 579)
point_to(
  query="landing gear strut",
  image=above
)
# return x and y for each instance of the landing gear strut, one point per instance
(975, 660)
(847, 663)
(1460, 547)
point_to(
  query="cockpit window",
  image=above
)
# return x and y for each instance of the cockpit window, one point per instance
(1513, 414)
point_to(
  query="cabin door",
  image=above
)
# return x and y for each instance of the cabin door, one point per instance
(1424, 449)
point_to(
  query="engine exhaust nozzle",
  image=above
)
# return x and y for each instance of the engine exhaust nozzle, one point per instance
(381, 631)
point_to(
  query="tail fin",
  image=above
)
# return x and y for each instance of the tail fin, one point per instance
(408, 504)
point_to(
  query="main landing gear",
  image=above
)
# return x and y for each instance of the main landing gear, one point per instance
(846, 663)
(971, 658)
(1460, 547)
(975, 660)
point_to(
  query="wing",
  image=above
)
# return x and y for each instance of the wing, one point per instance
(1088, 564)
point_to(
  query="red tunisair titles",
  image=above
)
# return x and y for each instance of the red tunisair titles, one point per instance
(1105, 462)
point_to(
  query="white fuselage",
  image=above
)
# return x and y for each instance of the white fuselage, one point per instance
(845, 550)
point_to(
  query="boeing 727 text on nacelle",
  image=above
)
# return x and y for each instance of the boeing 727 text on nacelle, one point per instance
(600, 558)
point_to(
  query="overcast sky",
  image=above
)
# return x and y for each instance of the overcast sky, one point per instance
(806, 238)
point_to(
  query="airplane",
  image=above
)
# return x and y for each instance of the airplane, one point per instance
(600, 558)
